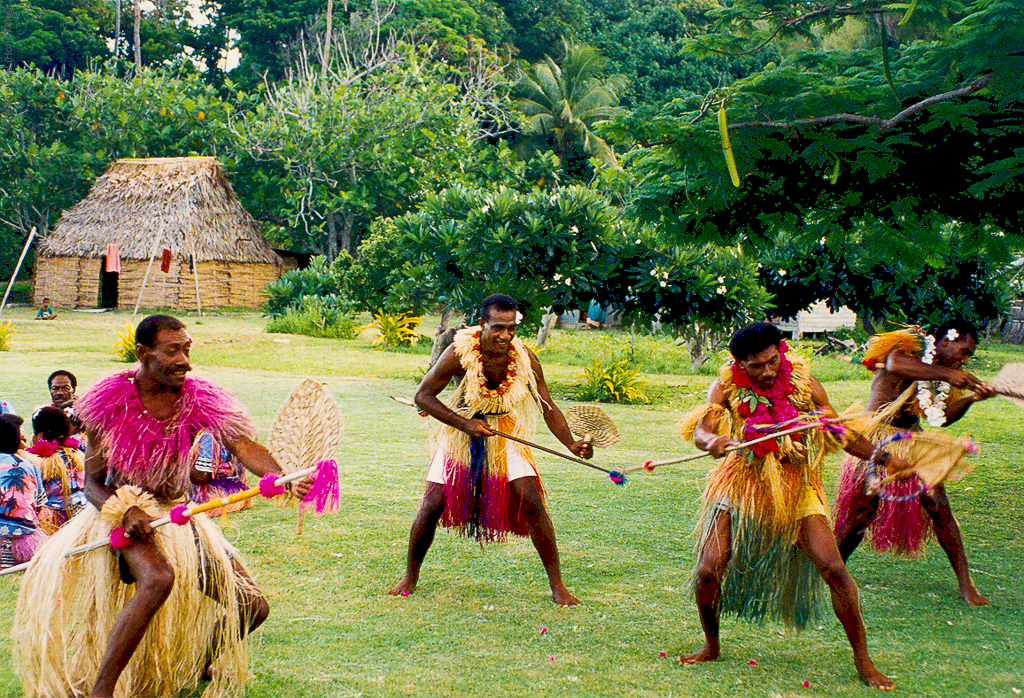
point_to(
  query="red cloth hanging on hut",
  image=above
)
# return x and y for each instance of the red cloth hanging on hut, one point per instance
(165, 261)
(113, 260)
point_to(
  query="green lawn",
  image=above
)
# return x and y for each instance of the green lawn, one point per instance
(473, 626)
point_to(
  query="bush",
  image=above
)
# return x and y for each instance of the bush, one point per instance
(395, 330)
(6, 332)
(125, 346)
(611, 380)
(316, 316)
(294, 286)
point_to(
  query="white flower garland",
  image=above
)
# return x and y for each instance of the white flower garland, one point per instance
(933, 404)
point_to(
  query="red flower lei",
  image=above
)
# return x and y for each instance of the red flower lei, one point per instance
(510, 370)
(765, 407)
(45, 448)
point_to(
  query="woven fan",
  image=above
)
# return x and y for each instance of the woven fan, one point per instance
(308, 428)
(938, 457)
(1009, 383)
(590, 420)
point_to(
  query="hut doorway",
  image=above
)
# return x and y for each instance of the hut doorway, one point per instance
(108, 285)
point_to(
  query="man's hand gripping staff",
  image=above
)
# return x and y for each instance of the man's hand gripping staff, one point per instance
(322, 496)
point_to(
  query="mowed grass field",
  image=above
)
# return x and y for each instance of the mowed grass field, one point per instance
(473, 628)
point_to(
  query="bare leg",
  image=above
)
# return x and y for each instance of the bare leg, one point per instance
(818, 542)
(713, 560)
(155, 579)
(526, 498)
(947, 532)
(863, 509)
(421, 536)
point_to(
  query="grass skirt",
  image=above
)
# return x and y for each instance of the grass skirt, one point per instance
(902, 527)
(768, 576)
(67, 608)
(476, 488)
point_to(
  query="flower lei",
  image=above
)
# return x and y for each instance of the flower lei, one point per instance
(760, 407)
(510, 371)
(933, 403)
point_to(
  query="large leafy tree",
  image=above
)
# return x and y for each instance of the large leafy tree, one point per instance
(884, 146)
(565, 103)
(56, 36)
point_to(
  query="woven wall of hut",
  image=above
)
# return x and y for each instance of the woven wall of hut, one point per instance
(69, 282)
(75, 283)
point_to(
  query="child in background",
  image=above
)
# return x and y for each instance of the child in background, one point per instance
(21, 494)
(62, 466)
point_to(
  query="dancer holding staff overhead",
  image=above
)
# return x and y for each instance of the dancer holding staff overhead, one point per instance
(905, 363)
(482, 484)
(764, 536)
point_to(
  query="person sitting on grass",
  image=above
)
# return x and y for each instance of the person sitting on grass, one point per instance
(21, 494)
(62, 466)
(46, 311)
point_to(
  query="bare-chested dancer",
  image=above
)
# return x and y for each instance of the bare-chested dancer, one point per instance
(898, 519)
(482, 484)
(765, 542)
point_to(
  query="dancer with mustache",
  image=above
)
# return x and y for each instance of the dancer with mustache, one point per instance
(765, 542)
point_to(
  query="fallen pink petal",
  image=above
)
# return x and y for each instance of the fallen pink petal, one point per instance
(662, 654)
(807, 684)
(543, 630)
(752, 663)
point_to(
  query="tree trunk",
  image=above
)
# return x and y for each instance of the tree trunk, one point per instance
(117, 28)
(332, 238)
(325, 59)
(442, 336)
(547, 322)
(345, 241)
(138, 42)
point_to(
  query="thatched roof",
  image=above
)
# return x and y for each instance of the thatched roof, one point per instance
(171, 202)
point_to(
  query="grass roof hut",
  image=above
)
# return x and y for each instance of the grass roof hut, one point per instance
(144, 207)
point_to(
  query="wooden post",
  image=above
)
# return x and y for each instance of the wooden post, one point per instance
(152, 254)
(195, 257)
(17, 268)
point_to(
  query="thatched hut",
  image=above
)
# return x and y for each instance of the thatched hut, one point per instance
(144, 207)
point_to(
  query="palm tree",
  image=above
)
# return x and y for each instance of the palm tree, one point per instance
(563, 104)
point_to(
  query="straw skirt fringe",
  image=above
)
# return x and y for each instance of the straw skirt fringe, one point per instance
(67, 607)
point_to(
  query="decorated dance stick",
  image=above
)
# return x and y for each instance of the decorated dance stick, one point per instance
(323, 496)
(616, 476)
(823, 424)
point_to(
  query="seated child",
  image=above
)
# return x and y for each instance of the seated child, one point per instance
(21, 494)
(62, 466)
(46, 311)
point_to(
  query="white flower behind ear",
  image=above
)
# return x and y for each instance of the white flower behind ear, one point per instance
(519, 317)
(952, 335)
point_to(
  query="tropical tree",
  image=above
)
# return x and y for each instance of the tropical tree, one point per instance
(884, 146)
(564, 104)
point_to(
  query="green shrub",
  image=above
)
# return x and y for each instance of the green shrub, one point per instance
(294, 286)
(125, 346)
(316, 316)
(6, 332)
(611, 380)
(394, 330)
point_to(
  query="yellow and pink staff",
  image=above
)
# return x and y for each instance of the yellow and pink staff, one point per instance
(322, 497)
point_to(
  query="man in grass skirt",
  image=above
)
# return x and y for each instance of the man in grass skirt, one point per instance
(175, 605)
(765, 542)
(915, 376)
(479, 483)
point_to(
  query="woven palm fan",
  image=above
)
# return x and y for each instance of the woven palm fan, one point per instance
(307, 428)
(938, 457)
(591, 420)
(1009, 383)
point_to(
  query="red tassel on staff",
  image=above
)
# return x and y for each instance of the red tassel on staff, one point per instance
(165, 261)
(325, 493)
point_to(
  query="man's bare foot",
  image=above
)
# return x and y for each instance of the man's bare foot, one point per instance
(874, 678)
(404, 587)
(973, 597)
(704, 654)
(562, 597)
